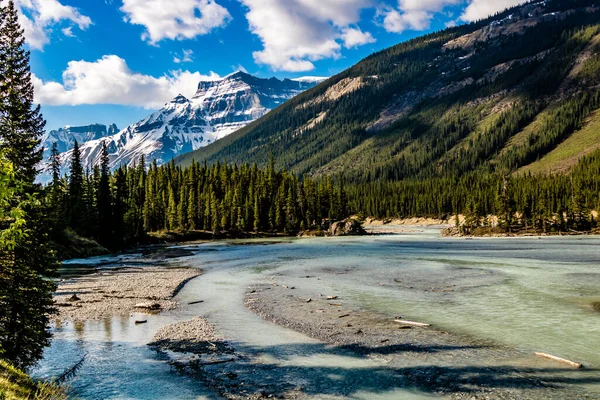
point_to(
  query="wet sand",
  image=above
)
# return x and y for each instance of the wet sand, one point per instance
(423, 357)
(117, 292)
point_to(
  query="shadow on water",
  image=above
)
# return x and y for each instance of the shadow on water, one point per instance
(283, 369)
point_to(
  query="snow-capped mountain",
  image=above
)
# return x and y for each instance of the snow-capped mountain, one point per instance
(65, 137)
(217, 109)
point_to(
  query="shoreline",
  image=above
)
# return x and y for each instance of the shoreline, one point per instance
(117, 292)
(424, 357)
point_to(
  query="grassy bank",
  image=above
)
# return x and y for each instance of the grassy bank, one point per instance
(15, 384)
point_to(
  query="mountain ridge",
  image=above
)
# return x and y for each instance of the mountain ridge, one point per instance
(430, 106)
(217, 109)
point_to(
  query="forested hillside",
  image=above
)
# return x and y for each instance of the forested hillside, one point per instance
(119, 208)
(490, 97)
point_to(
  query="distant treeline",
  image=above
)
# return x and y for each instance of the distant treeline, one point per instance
(117, 208)
(545, 202)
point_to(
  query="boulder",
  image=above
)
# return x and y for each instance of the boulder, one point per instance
(148, 306)
(348, 227)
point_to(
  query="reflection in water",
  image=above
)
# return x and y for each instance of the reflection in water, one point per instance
(528, 294)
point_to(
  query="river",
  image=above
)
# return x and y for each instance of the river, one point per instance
(528, 294)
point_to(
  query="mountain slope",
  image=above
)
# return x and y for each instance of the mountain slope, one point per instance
(495, 95)
(66, 137)
(182, 125)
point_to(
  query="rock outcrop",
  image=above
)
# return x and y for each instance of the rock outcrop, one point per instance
(348, 227)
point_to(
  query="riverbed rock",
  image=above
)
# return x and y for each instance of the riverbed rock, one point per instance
(74, 298)
(149, 306)
(348, 227)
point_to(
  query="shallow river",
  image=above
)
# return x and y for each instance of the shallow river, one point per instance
(528, 294)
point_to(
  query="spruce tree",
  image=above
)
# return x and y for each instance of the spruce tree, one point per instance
(104, 211)
(76, 190)
(21, 123)
(26, 260)
(56, 195)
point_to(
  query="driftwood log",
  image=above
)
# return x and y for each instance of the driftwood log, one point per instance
(560, 360)
(405, 322)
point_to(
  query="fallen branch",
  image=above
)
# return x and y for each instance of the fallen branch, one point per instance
(561, 360)
(405, 322)
(70, 373)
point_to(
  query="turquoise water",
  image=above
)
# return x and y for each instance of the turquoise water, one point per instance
(528, 294)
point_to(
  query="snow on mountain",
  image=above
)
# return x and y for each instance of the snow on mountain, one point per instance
(311, 79)
(240, 98)
(65, 137)
(217, 109)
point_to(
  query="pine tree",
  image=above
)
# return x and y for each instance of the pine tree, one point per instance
(21, 124)
(172, 211)
(104, 211)
(192, 212)
(257, 221)
(76, 201)
(56, 195)
(26, 259)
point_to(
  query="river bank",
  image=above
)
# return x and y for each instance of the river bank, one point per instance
(119, 291)
(416, 353)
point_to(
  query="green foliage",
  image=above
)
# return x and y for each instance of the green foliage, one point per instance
(16, 385)
(217, 198)
(26, 260)
(454, 108)
(25, 293)
(559, 203)
(21, 123)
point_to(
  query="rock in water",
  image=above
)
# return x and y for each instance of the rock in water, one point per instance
(148, 306)
(348, 227)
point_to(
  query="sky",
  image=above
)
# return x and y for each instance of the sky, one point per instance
(115, 61)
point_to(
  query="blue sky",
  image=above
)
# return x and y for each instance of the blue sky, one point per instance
(117, 60)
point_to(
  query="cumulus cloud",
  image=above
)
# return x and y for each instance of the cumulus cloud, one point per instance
(110, 81)
(480, 9)
(354, 37)
(295, 33)
(175, 20)
(412, 14)
(39, 17)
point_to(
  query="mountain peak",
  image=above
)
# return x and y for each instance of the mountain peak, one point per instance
(184, 124)
(180, 99)
(237, 74)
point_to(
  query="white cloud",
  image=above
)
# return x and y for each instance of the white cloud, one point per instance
(39, 17)
(68, 31)
(395, 21)
(354, 37)
(295, 33)
(451, 24)
(175, 20)
(480, 9)
(413, 14)
(110, 81)
(185, 57)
